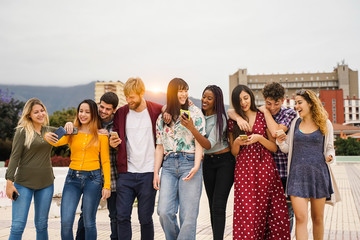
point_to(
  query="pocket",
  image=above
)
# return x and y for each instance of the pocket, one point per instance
(96, 178)
(69, 177)
(190, 157)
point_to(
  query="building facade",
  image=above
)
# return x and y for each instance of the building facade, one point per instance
(342, 77)
(333, 102)
(352, 112)
(102, 87)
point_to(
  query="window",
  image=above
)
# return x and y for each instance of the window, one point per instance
(317, 78)
(250, 80)
(311, 78)
(110, 88)
(334, 118)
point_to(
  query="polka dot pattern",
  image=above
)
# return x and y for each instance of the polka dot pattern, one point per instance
(260, 210)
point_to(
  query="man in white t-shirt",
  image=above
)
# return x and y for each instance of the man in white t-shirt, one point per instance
(135, 125)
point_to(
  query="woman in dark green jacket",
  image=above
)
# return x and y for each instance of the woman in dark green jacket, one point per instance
(30, 172)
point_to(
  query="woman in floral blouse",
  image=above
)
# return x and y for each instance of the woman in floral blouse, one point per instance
(180, 156)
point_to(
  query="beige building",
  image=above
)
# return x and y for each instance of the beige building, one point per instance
(342, 77)
(102, 87)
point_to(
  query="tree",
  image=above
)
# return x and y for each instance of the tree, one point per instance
(59, 118)
(10, 110)
(347, 147)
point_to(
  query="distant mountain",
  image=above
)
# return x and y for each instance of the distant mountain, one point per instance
(57, 98)
(54, 98)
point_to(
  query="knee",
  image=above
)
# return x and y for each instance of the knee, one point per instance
(145, 220)
(41, 225)
(219, 205)
(317, 219)
(165, 213)
(120, 218)
(301, 218)
(18, 227)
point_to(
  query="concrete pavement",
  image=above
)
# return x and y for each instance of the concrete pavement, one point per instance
(341, 221)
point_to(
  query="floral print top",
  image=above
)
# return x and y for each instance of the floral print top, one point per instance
(177, 138)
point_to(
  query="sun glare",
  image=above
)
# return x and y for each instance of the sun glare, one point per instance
(155, 90)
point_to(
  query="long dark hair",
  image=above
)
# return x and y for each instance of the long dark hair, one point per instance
(94, 123)
(235, 99)
(218, 107)
(173, 105)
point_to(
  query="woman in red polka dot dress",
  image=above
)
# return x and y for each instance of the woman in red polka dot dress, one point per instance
(260, 210)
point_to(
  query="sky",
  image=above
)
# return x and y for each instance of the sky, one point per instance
(66, 43)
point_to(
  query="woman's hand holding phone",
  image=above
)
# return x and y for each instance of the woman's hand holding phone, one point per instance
(11, 191)
(190, 174)
(51, 137)
(242, 140)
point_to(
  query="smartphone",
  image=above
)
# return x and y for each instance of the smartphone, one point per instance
(185, 112)
(15, 195)
(243, 137)
(187, 176)
(114, 134)
(75, 131)
(60, 132)
(279, 132)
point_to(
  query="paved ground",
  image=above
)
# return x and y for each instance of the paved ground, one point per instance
(341, 221)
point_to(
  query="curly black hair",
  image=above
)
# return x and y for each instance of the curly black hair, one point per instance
(274, 91)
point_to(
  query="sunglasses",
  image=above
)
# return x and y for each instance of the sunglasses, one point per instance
(300, 92)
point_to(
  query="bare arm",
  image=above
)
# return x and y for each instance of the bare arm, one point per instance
(236, 144)
(198, 157)
(159, 156)
(243, 125)
(188, 123)
(268, 144)
(270, 122)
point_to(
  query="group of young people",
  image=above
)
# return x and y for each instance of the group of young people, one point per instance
(130, 153)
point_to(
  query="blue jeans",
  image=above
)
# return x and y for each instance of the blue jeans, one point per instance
(20, 210)
(128, 187)
(77, 183)
(176, 194)
(111, 205)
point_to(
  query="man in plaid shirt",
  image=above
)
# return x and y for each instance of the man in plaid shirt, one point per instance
(107, 107)
(276, 117)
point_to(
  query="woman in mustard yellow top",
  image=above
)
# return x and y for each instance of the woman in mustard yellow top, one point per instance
(84, 176)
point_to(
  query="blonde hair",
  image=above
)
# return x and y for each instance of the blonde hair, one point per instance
(318, 112)
(26, 122)
(135, 85)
